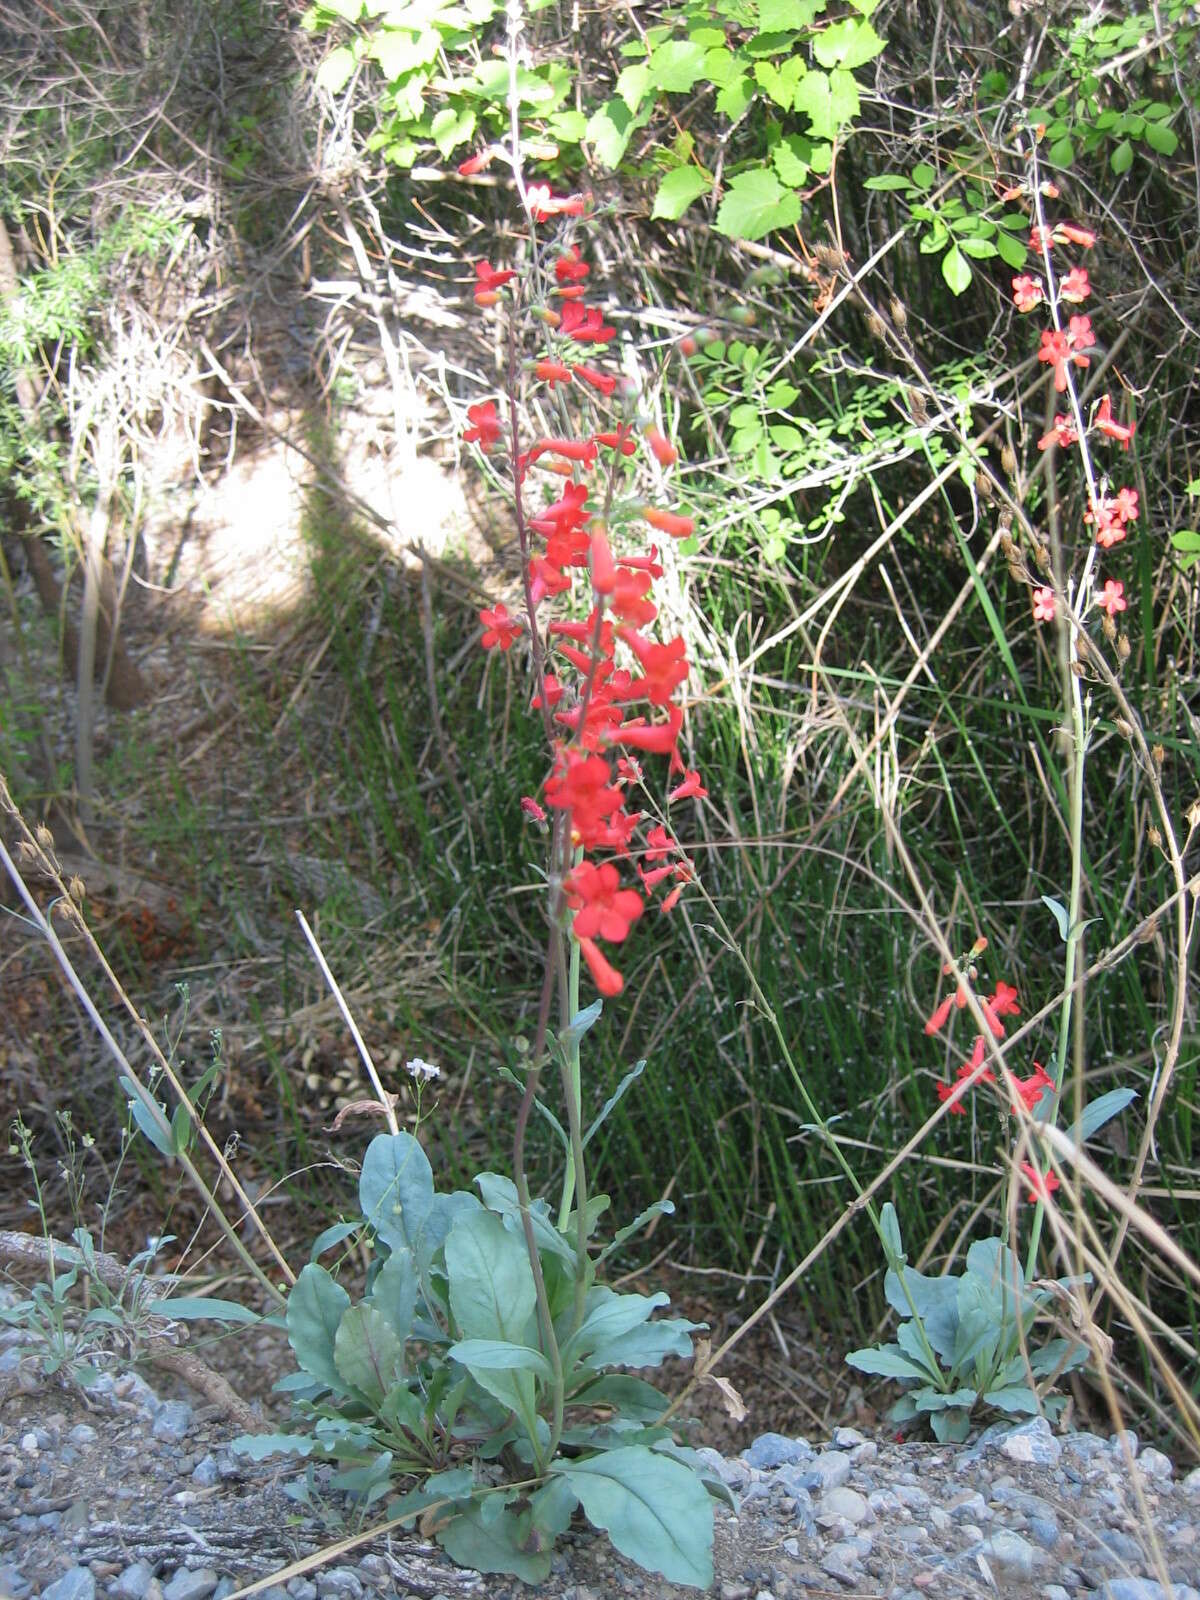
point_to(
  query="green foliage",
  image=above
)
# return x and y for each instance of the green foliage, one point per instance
(963, 1339)
(957, 227)
(447, 1345)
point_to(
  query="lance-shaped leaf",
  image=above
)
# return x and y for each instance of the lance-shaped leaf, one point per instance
(315, 1307)
(493, 1543)
(492, 1297)
(368, 1355)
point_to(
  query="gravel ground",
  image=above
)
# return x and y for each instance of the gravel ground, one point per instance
(134, 1495)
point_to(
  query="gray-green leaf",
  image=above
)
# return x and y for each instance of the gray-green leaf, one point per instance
(653, 1509)
(315, 1307)
(368, 1355)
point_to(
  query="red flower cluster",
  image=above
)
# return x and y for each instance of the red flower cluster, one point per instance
(1061, 349)
(606, 685)
(1002, 1003)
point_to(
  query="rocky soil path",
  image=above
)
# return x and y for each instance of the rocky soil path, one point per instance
(135, 1495)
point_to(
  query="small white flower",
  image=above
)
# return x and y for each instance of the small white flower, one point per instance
(422, 1071)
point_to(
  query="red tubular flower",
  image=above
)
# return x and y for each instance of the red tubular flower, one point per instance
(499, 629)
(570, 267)
(477, 162)
(669, 522)
(488, 281)
(606, 977)
(563, 514)
(604, 572)
(1062, 433)
(583, 450)
(485, 425)
(1041, 1184)
(544, 204)
(655, 739)
(1004, 1002)
(1074, 233)
(1044, 605)
(1107, 423)
(664, 451)
(1113, 599)
(602, 381)
(955, 1093)
(691, 786)
(552, 372)
(1040, 239)
(603, 910)
(1027, 292)
(621, 440)
(1075, 286)
(673, 899)
(551, 689)
(531, 808)
(956, 997)
(1030, 1090)
(585, 324)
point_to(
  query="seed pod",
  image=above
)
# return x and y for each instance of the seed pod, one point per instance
(1154, 837)
(1125, 729)
(1008, 461)
(1108, 627)
(1158, 755)
(917, 408)
(44, 837)
(1041, 554)
(1124, 648)
(831, 259)
(1006, 520)
(1008, 547)
(876, 327)
(898, 313)
(744, 316)
(1078, 668)
(77, 889)
(985, 485)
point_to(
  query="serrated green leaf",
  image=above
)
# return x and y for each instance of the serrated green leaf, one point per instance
(632, 83)
(792, 159)
(675, 66)
(334, 72)
(368, 1355)
(754, 204)
(849, 43)
(654, 1510)
(609, 131)
(315, 1308)
(779, 82)
(956, 270)
(677, 191)
(735, 97)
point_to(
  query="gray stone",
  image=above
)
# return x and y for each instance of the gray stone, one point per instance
(224, 1589)
(1044, 1531)
(1012, 1554)
(75, 1584)
(847, 1438)
(206, 1473)
(862, 1453)
(841, 1561)
(911, 1495)
(191, 1584)
(1055, 1591)
(1032, 1442)
(12, 1582)
(83, 1433)
(173, 1421)
(133, 1583)
(884, 1502)
(845, 1503)
(828, 1471)
(1191, 1483)
(735, 1473)
(1156, 1465)
(776, 1450)
(970, 1507)
(939, 1519)
(1119, 1546)
(1134, 1589)
(339, 1583)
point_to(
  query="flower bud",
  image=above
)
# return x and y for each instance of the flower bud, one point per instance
(744, 316)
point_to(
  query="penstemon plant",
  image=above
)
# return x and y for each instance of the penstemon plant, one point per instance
(964, 1338)
(484, 1357)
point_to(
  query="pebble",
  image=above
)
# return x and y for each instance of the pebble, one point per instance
(1033, 1442)
(75, 1584)
(776, 1450)
(172, 1422)
(191, 1583)
(133, 1583)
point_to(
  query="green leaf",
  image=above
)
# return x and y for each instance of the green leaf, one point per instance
(1011, 251)
(887, 1361)
(754, 204)
(735, 97)
(368, 1355)
(609, 131)
(1161, 139)
(330, 1236)
(451, 127)
(500, 1195)
(632, 84)
(928, 1400)
(399, 50)
(199, 1307)
(648, 1345)
(1061, 153)
(784, 16)
(569, 126)
(395, 1191)
(780, 82)
(658, 1208)
(1059, 912)
(1122, 157)
(889, 1227)
(813, 98)
(492, 1295)
(654, 1510)
(334, 72)
(315, 1308)
(792, 159)
(956, 270)
(614, 1099)
(258, 1446)
(950, 1427)
(677, 191)
(493, 1544)
(887, 181)
(633, 1398)
(394, 1293)
(142, 1115)
(1016, 1398)
(676, 65)
(608, 1316)
(1101, 1110)
(495, 1355)
(1187, 542)
(848, 44)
